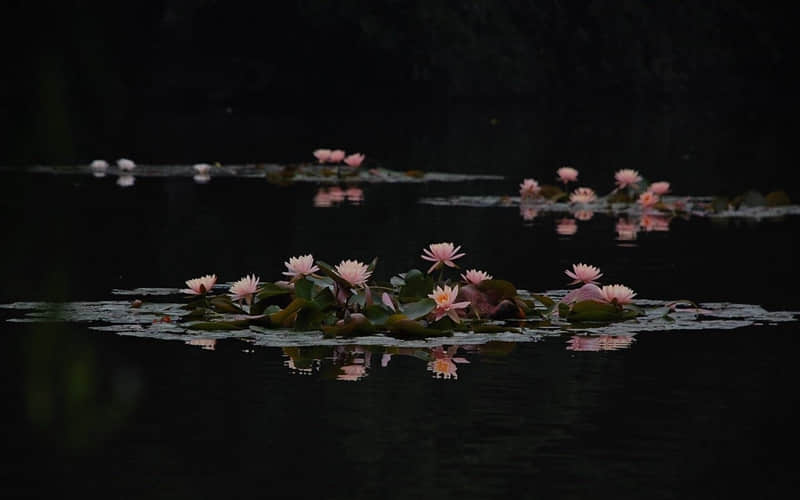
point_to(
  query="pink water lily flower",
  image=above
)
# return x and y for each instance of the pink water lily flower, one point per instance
(322, 155)
(529, 188)
(627, 177)
(476, 277)
(618, 294)
(245, 288)
(337, 155)
(583, 273)
(354, 272)
(125, 164)
(582, 195)
(300, 266)
(386, 299)
(660, 188)
(567, 174)
(354, 160)
(199, 286)
(441, 253)
(648, 199)
(445, 303)
(99, 165)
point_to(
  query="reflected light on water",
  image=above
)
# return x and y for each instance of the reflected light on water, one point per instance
(626, 230)
(206, 344)
(595, 343)
(328, 197)
(650, 222)
(566, 226)
(126, 180)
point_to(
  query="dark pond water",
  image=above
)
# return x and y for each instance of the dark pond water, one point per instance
(665, 415)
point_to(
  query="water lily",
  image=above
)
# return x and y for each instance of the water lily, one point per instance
(300, 266)
(648, 199)
(245, 288)
(443, 364)
(354, 160)
(386, 299)
(445, 303)
(566, 227)
(529, 188)
(660, 188)
(441, 253)
(199, 286)
(475, 277)
(202, 168)
(583, 273)
(337, 155)
(567, 174)
(354, 272)
(627, 177)
(322, 155)
(125, 164)
(618, 294)
(99, 165)
(582, 195)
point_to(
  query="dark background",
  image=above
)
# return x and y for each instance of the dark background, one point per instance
(655, 83)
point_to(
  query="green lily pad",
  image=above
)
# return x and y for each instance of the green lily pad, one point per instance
(778, 198)
(284, 317)
(402, 327)
(417, 286)
(497, 290)
(303, 288)
(271, 290)
(378, 314)
(419, 309)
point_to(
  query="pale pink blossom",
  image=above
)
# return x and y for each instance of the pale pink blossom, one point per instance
(475, 277)
(594, 343)
(354, 160)
(529, 188)
(619, 294)
(99, 165)
(583, 273)
(583, 215)
(566, 227)
(354, 195)
(354, 272)
(586, 292)
(626, 230)
(322, 155)
(627, 177)
(648, 199)
(126, 164)
(245, 288)
(567, 174)
(300, 266)
(337, 155)
(582, 195)
(441, 253)
(386, 299)
(199, 286)
(660, 188)
(445, 303)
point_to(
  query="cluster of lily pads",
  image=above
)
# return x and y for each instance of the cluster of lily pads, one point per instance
(343, 300)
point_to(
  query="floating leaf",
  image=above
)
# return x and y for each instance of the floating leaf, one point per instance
(351, 329)
(401, 327)
(417, 286)
(224, 304)
(310, 317)
(778, 198)
(285, 317)
(303, 288)
(544, 300)
(419, 309)
(589, 310)
(271, 290)
(325, 299)
(497, 290)
(378, 314)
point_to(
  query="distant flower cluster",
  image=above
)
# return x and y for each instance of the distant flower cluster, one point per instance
(338, 156)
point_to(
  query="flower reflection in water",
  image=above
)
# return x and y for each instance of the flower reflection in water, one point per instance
(126, 180)
(626, 230)
(353, 362)
(528, 213)
(583, 215)
(595, 343)
(443, 364)
(650, 222)
(566, 226)
(202, 178)
(328, 197)
(206, 344)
